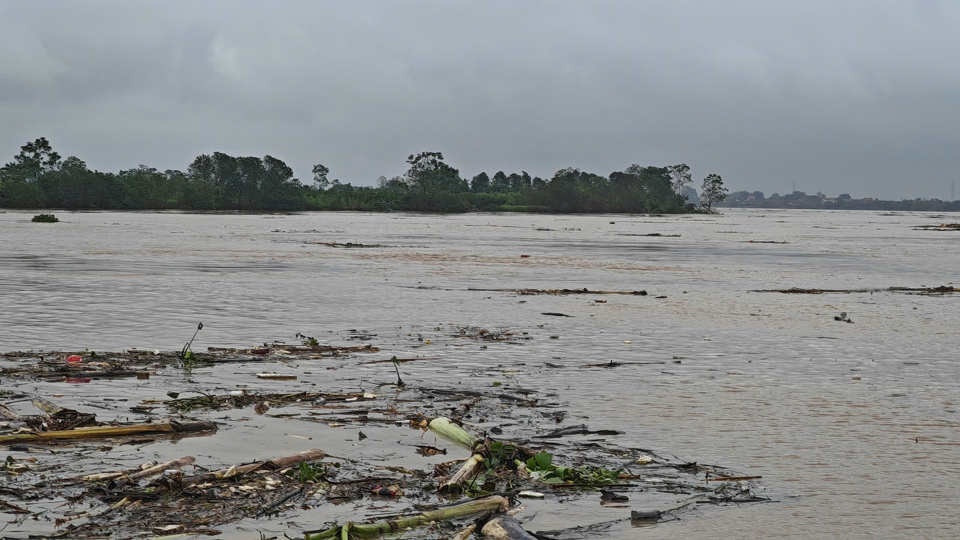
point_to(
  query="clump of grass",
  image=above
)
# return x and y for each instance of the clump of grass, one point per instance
(45, 218)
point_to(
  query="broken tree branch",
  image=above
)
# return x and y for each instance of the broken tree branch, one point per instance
(98, 432)
(493, 503)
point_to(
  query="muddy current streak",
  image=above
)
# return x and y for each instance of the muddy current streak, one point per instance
(854, 426)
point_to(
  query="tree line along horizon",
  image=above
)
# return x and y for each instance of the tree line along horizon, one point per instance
(39, 178)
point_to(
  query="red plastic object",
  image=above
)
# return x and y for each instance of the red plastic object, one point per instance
(74, 358)
(391, 491)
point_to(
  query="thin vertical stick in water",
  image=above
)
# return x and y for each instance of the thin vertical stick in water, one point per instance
(186, 348)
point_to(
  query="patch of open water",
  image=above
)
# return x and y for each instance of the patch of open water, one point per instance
(762, 383)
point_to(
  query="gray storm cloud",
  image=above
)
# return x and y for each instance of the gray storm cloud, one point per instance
(836, 96)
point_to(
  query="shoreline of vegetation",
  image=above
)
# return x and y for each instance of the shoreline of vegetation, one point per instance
(39, 179)
(819, 201)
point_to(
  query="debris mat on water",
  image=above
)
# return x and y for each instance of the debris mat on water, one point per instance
(71, 474)
(924, 291)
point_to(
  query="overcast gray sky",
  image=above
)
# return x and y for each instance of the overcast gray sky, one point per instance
(838, 96)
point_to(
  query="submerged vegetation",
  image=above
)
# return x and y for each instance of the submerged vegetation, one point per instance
(39, 178)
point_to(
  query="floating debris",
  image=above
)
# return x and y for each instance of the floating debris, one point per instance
(560, 292)
(71, 493)
(941, 227)
(64, 366)
(842, 317)
(344, 244)
(926, 291)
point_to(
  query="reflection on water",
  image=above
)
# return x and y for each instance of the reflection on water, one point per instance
(759, 382)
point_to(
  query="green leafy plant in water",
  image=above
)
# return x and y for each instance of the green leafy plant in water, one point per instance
(192, 404)
(542, 468)
(188, 361)
(307, 473)
(309, 341)
(45, 218)
(501, 454)
(499, 466)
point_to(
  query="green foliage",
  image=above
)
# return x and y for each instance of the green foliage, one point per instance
(542, 468)
(39, 178)
(35, 158)
(712, 192)
(681, 176)
(501, 454)
(320, 173)
(45, 218)
(480, 183)
(307, 473)
(433, 184)
(309, 341)
(188, 362)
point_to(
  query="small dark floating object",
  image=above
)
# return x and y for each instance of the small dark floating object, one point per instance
(843, 318)
(555, 314)
(645, 514)
(347, 245)
(612, 496)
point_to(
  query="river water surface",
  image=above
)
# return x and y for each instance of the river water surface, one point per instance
(855, 428)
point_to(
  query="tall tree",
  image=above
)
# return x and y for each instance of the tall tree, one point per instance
(144, 188)
(251, 174)
(35, 158)
(480, 183)
(712, 191)
(681, 177)
(21, 187)
(279, 188)
(428, 175)
(500, 183)
(203, 192)
(320, 172)
(5, 172)
(228, 182)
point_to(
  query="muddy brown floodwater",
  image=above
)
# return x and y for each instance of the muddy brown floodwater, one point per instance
(854, 427)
